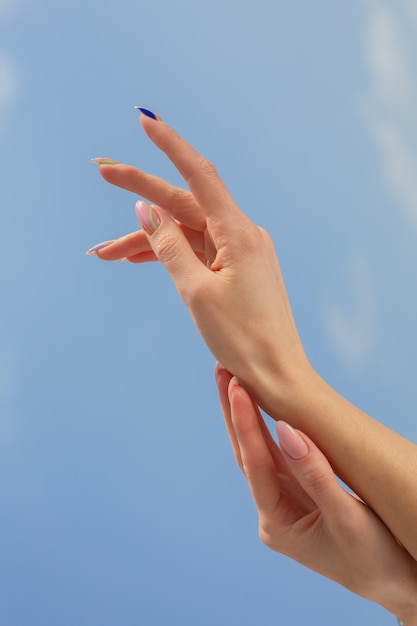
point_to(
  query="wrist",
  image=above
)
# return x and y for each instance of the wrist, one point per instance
(399, 596)
(281, 391)
(408, 615)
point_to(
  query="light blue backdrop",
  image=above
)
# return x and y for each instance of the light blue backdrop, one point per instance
(120, 503)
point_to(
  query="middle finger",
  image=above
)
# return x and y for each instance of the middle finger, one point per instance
(178, 202)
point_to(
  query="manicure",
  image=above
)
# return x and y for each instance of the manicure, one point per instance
(291, 442)
(99, 246)
(104, 161)
(148, 113)
(148, 216)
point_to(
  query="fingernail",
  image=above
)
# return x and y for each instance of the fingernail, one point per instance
(148, 216)
(218, 369)
(104, 161)
(291, 442)
(99, 246)
(233, 382)
(148, 113)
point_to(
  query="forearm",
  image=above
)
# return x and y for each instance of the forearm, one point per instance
(374, 461)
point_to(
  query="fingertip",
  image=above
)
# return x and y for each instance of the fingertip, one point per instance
(222, 377)
(150, 124)
(291, 441)
(147, 113)
(233, 387)
(311, 469)
(145, 122)
(111, 173)
(219, 370)
(240, 401)
(95, 250)
(148, 216)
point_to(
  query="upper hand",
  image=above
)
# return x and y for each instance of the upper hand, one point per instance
(224, 266)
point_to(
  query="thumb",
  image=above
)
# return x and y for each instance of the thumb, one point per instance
(170, 246)
(312, 470)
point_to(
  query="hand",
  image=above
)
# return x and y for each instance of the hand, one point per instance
(305, 513)
(227, 272)
(224, 266)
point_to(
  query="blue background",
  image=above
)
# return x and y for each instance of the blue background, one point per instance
(120, 502)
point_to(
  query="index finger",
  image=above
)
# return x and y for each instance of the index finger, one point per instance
(258, 463)
(178, 202)
(199, 173)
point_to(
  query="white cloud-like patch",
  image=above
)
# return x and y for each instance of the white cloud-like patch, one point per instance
(8, 86)
(8, 71)
(351, 329)
(388, 63)
(391, 105)
(400, 167)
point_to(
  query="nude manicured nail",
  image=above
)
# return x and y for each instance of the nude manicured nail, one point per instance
(233, 383)
(291, 442)
(104, 161)
(148, 216)
(99, 246)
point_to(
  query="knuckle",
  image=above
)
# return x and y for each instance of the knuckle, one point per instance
(265, 536)
(194, 293)
(202, 167)
(199, 292)
(208, 168)
(249, 240)
(266, 237)
(271, 538)
(316, 481)
(176, 197)
(265, 531)
(244, 469)
(166, 248)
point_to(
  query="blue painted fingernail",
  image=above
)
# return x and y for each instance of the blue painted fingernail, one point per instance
(147, 113)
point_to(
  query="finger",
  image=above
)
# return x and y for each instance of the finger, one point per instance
(286, 478)
(312, 470)
(172, 249)
(280, 462)
(147, 257)
(199, 173)
(258, 464)
(223, 378)
(136, 244)
(123, 247)
(143, 257)
(180, 203)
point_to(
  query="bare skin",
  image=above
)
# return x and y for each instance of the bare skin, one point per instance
(226, 270)
(304, 512)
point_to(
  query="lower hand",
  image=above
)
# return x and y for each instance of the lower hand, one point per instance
(305, 513)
